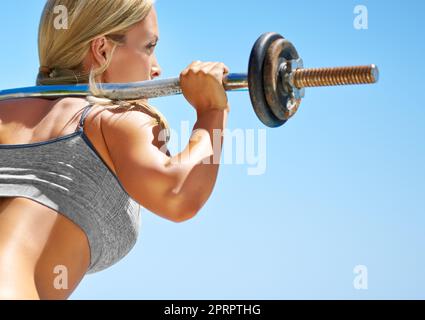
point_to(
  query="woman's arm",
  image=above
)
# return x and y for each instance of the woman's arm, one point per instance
(175, 187)
(199, 162)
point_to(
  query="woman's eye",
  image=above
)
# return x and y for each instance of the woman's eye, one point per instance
(152, 45)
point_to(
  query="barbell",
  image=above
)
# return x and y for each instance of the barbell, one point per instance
(276, 81)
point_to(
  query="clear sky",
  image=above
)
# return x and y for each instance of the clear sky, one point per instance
(340, 185)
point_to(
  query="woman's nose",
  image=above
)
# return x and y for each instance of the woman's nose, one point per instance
(156, 72)
(156, 69)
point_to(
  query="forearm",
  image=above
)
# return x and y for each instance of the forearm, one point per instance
(197, 165)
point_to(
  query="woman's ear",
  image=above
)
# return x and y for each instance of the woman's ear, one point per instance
(101, 49)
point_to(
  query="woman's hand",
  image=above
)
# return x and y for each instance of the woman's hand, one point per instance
(202, 86)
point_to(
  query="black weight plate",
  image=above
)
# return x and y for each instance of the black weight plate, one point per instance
(256, 83)
(280, 51)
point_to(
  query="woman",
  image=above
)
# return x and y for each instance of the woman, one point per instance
(74, 171)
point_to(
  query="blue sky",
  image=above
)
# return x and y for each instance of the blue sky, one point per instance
(344, 178)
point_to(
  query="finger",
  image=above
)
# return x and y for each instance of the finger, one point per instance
(196, 66)
(221, 68)
(210, 66)
(226, 68)
(216, 68)
(220, 71)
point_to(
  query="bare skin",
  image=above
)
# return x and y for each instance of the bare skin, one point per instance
(35, 239)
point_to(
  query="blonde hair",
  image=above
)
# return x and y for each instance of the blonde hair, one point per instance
(63, 51)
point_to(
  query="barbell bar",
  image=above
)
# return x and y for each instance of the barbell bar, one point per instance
(275, 80)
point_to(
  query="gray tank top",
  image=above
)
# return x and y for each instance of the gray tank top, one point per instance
(68, 175)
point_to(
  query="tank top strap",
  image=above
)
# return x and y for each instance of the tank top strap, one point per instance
(84, 115)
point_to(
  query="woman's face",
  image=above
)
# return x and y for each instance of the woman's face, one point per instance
(135, 60)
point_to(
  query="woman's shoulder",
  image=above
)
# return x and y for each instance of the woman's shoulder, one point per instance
(131, 116)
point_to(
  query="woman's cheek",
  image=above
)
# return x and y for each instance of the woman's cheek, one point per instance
(131, 66)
